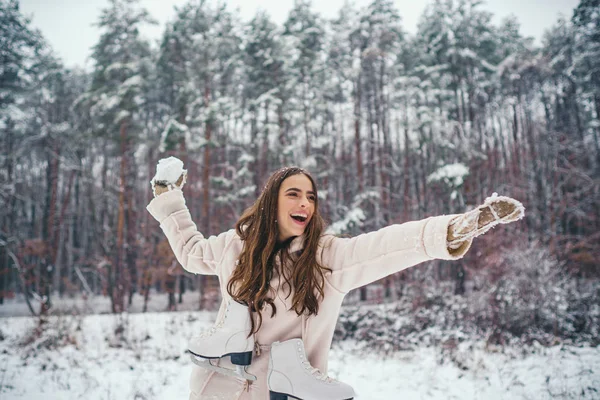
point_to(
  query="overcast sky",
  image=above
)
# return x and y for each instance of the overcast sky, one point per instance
(67, 24)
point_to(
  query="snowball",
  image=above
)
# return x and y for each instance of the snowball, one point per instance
(169, 170)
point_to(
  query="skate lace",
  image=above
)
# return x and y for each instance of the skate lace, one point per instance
(216, 326)
(316, 372)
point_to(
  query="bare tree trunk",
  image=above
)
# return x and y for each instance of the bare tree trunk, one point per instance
(357, 144)
(357, 139)
(386, 154)
(8, 222)
(255, 149)
(131, 253)
(306, 113)
(4, 270)
(407, 166)
(149, 239)
(459, 109)
(119, 283)
(371, 161)
(382, 144)
(515, 132)
(206, 186)
(76, 231)
(575, 105)
(282, 134)
(64, 272)
(539, 197)
(170, 281)
(146, 285)
(181, 288)
(264, 161)
(462, 103)
(50, 226)
(103, 245)
(597, 133)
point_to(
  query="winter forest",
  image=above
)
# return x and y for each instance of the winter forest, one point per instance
(394, 126)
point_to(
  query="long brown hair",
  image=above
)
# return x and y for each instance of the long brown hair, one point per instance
(258, 229)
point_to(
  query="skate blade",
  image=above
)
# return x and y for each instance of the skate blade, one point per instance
(239, 371)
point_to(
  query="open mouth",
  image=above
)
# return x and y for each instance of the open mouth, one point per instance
(300, 218)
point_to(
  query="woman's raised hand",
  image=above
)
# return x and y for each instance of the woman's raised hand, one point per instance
(494, 210)
(169, 175)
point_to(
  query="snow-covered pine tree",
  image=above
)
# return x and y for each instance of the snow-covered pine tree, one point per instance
(173, 81)
(201, 49)
(55, 91)
(459, 50)
(572, 122)
(303, 34)
(38, 131)
(307, 36)
(332, 148)
(21, 45)
(381, 37)
(586, 22)
(266, 93)
(199, 68)
(114, 101)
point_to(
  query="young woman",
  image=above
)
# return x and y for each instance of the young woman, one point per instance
(292, 276)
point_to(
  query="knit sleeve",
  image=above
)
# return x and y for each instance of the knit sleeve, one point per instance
(366, 258)
(194, 252)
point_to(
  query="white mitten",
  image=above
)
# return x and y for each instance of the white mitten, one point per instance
(169, 175)
(494, 210)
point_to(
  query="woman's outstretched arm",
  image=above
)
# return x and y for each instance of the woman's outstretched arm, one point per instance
(369, 257)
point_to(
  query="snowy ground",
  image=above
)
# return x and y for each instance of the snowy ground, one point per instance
(81, 357)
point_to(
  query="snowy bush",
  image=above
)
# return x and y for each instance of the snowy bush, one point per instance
(583, 314)
(528, 295)
(51, 333)
(401, 326)
(525, 297)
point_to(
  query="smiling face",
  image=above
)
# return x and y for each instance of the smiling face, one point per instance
(295, 206)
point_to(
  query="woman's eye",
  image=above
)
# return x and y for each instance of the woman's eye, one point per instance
(293, 194)
(312, 198)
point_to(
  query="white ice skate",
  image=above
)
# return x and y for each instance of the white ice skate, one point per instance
(227, 338)
(292, 377)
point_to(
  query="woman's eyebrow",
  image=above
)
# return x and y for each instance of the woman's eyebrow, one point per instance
(299, 191)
